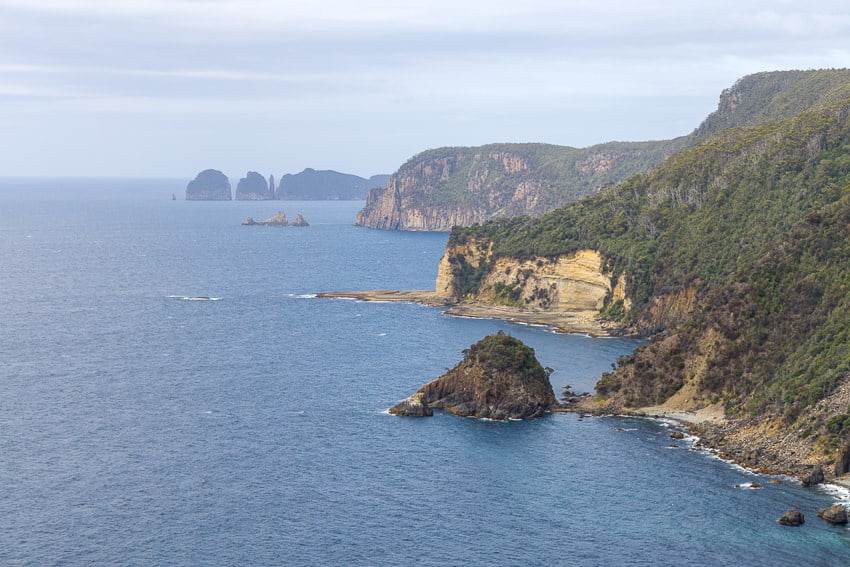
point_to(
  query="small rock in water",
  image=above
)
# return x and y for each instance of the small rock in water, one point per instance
(835, 514)
(677, 435)
(792, 518)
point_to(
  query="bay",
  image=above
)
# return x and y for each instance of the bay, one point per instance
(140, 425)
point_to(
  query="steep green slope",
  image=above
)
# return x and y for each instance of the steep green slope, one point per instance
(444, 187)
(751, 227)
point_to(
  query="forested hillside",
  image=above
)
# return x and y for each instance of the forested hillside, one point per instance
(735, 257)
(438, 189)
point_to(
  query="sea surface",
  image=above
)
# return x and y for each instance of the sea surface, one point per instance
(144, 424)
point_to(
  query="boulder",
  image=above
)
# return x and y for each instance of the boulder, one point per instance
(835, 514)
(249, 222)
(499, 378)
(209, 185)
(677, 435)
(792, 518)
(814, 477)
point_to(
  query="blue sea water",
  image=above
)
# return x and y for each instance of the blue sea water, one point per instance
(140, 426)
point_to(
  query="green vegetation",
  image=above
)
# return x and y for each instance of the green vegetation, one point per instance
(476, 178)
(503, 353)
(755, 222)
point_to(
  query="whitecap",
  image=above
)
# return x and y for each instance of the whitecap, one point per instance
(749, 486)
(382, 334)
(837, 491)
(300, 295)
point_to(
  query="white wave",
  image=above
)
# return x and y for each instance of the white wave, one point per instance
(382, 334)
(749, 486)
(300, 295)
(196, 298)
(837, 491)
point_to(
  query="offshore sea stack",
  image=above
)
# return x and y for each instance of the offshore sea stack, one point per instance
(499, 378)
(254, 187)
(209, 185)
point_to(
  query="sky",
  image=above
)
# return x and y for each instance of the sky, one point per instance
(167, 88)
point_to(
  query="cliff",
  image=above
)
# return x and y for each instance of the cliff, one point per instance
(253, 187)
(209, 185)
(498, 378)
(447, 187)
(731, 256)
(311, 184)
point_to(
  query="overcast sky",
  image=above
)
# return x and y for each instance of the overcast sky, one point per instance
(166, 88)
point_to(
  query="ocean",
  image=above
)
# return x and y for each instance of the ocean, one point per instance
(173, 393)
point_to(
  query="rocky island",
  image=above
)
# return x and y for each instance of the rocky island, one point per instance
(209, 185)
(278, 220)
(254, 187)
(499, 378)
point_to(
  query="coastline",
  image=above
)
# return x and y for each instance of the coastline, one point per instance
(579, 322)
(761, 448)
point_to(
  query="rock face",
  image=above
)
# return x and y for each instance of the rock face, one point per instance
(792, 518)
(835, 514)
(842, 461)
(209, 185)
(253, 187)
(499, 378)
(445, 187)
(569, 283)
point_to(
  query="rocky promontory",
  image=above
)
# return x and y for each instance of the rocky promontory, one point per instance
(209, 185)
(498, 378)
